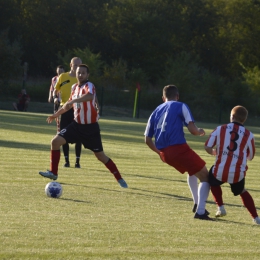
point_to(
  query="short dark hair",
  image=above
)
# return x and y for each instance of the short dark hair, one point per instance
(84, 66)
(239, 113)
(60, 67)
(170, 91)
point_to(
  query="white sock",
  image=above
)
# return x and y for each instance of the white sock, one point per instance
(193, 185)
(203, 196)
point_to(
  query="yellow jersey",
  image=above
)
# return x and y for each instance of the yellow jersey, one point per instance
(63, 85)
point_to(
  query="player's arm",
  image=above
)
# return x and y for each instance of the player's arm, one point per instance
(50, 99)
(58, 113)
(210, 144)
(97, 104)
(194, 130)
(84, 98)
(151, 145)
(210, 150)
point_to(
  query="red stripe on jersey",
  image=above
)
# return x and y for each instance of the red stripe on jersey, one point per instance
(241, 155)
(229, 157)
(220, 148)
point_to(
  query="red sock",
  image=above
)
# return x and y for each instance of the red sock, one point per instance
(55, 159)
(217, 195)
(249, 203)
(113, 169)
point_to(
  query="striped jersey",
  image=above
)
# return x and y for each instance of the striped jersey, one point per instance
(234, 146)
(84, 112)
(166, 124)
(53, 83)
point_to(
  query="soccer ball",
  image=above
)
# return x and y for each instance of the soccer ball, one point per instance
(53, 189)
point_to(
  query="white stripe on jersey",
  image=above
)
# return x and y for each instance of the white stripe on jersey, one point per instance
(234, 144)
(84, 112)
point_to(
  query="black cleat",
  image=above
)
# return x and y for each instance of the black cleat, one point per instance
(203, 216)
(77, 165)
(67, 164)
(194, 209)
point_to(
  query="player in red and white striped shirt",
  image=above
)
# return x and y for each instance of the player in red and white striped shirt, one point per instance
(234, 146)
(59, 70)
(84, 128)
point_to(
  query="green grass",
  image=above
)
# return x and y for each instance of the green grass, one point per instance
(95, 218)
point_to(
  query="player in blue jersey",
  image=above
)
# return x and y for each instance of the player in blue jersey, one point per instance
(166, 126)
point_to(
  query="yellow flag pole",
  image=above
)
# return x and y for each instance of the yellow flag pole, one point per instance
(135, 104)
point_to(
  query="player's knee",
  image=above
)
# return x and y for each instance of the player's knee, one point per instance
(203, 175)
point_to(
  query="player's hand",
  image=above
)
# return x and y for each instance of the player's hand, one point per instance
(201, 132)
(56, 100)
(50, 119)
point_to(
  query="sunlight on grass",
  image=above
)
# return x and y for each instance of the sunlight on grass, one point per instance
(95, 218)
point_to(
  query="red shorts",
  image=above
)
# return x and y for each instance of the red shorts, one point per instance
(182, 158)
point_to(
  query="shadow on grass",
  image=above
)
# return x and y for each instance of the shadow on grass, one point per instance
(77, 201)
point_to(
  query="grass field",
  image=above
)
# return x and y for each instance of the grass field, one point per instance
(95, 218)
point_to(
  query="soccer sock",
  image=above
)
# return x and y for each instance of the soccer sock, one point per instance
(193, 185)
(202, 198)
(113, 169)
(78, 149)
(65, 149)
(217, 195)
(55, 159)
(77, 160)
(249, 203)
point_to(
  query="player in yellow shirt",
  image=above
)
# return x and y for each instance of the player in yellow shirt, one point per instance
(63, 86)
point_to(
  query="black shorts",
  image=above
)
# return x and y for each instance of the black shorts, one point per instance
(88, 135)
(236, 188)
(67, 118)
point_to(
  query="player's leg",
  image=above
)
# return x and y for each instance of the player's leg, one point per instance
(56, 142)
(15, 106)
(64, 121)
(78, 153)
(215, 187)
(57, 119)
(203, 193)
(111, 166)
(193, 185)
(239, 189)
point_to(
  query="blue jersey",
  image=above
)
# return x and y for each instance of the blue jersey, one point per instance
(166, 124)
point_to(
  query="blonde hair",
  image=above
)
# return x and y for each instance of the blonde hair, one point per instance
(239, 113)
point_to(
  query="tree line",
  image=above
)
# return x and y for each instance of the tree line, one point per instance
(204, 46)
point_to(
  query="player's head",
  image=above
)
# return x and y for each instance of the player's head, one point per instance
(74, 63)
(170, 92)
(60, 69)
(238, 114)
(82, 73)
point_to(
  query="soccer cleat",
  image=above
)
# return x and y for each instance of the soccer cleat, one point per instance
(202, 217)
(77, 165)
(194, 209)
(221, 212)
(49, 175)
(122, 183)
(256, 220)
(67, 164)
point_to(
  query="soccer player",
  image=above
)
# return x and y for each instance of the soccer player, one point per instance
(23, 101)
(234, 145)
(84, 128)
(59, 70)
(63, 87)
(166, 125)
